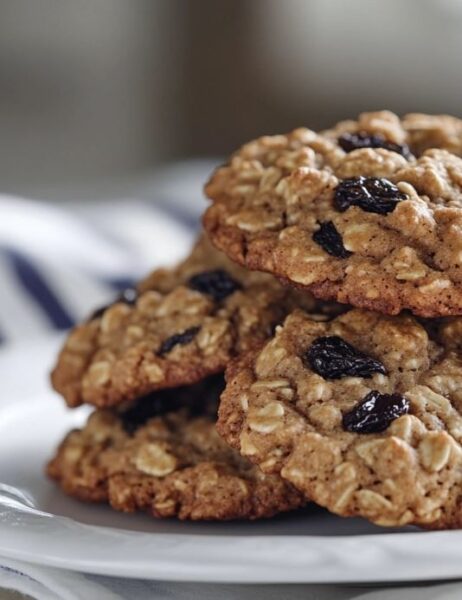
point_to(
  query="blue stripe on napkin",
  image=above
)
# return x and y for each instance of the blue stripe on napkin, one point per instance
(36, 286)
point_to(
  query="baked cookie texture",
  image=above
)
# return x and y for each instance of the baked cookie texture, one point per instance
(172, 465)
(367, 213)
(179, 326)
(361, 413)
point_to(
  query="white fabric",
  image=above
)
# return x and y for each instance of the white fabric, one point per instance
(45, 583)
(77, 251)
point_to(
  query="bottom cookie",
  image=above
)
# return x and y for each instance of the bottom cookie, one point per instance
(173, 465)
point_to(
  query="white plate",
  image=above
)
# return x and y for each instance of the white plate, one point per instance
(41, 525)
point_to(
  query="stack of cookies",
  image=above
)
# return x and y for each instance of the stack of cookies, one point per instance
(328, 302)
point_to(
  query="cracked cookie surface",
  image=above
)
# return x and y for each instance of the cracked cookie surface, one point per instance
(361, 413)
(171, 465)
(179, 326)
(368, 213)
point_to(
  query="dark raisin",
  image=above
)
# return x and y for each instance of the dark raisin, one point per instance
(330, 240)
(99, 312)
(375, 412)
(218, 284)
(333, 358)
(128, 296)
(148, 407)
(354, 141)
(181, 339)
(372, 194)
(198, 399)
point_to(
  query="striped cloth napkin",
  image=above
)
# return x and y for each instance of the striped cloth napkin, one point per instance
(56, 265)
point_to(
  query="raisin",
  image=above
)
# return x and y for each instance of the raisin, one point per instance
(354, 141)
(128, 296)
(333, 358)
(218, 284)
(148, 407)
(181, 339)
(99, 312)
(199, 399)
(330, 240)
(372, 194)
(375, 412)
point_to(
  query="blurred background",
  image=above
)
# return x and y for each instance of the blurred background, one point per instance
(97, 96)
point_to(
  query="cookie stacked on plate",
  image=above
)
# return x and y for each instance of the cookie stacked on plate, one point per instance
(356, 406)
(361, 413)
(152, 364)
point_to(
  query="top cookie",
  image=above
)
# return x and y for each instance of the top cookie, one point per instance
(367, 213)
(178, 327)
(361, 413)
